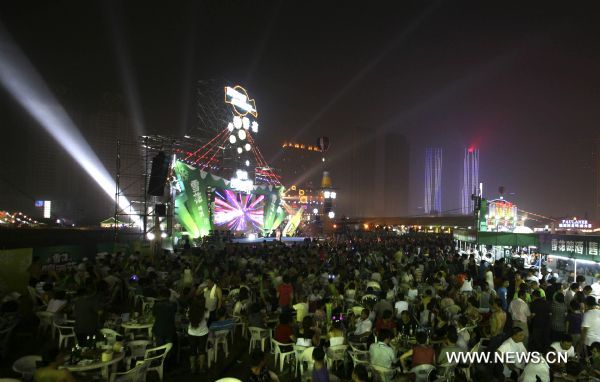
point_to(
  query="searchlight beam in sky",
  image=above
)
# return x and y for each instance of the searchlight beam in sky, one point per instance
(25, 84)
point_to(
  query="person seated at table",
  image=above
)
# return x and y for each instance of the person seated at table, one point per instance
(514, 344)
(336, 333)
(413, 291)
(401, 305)
(407, 325)
(565, 346)
(380, 352)
(259, 372)
(310, 334)
(222, 322)
(472, 312)
(58, 302)
(362, 327)
(350, 292)
(594, 359)
(284, 333)
(256, 317)
(242, 303)
(464, 336)
(386, 322)
(450, 347)
(538, 371)
(421, 353)
(52, 372)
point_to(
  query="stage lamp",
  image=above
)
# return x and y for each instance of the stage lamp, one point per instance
(246, 123)
(331, 214)
(251, 236)
(254, 127)
(240, 150)
(237, 122)
(326, 194)
(242, 135)
(163, 235)
(247, 162)
(315, 211)
(230, 126)
(150, 236)
(232, 139)
(333, 195)
(247, 146)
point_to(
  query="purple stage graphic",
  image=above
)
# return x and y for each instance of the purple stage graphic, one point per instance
(237, 211)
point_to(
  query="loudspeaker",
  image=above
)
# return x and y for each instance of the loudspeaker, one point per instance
(160, 210)
(158, 175)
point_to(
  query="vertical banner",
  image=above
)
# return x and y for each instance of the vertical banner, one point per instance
(14, 276)
(195, 214)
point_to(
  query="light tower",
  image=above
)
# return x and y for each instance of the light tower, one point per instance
(470, 180)
(433, 181)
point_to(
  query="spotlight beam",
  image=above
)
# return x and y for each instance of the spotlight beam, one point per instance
(19, 77)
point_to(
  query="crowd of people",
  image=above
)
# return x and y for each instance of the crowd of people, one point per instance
(398, 307)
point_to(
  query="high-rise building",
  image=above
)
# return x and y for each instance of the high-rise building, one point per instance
(470, 180)
(433, 181)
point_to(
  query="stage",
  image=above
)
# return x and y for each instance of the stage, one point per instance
(258, 240)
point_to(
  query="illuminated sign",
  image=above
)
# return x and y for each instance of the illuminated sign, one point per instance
(238, 97)
(241, 182)
(39, 203)
(575, 223)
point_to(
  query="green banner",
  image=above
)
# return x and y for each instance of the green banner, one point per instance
(581, 247)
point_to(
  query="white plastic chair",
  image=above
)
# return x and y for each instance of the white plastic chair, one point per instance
(240, 322)
(359, 357)
(64, 334)
(257, 335)
(147, 304)
(137, 374)
(382, 374)
(26, 366)
(137, 350)
(156, 358)
(306, 359)
(110, 335)
(335, 354)
(46, 321)
(220, 338)
(422, 372)
(281, 355)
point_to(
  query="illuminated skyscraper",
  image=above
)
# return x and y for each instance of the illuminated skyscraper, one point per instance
(470, 179)
(433, 181)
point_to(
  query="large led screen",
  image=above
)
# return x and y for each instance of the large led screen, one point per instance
(237, 211)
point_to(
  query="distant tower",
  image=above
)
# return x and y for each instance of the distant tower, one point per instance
(470, 179)
(433, 180)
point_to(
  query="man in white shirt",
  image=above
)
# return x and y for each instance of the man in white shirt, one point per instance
(596, 288)
(363, 324)
(401, 305)
(536, 372)
(565, 346)
(590, 327)
(381, 353)
(520, 313)
(513, 345)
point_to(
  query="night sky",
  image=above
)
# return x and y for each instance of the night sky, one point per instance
(519, 80)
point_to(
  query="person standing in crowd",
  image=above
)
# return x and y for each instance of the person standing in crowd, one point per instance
(590, 326)
(213, 295)
(514, 344)
(285, 293)
(86, 311)
(198, 334)
(164, 311)
(559, 316)
(520, 314)
(540, 322)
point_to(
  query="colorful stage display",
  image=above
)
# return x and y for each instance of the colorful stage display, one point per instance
(205, 202)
